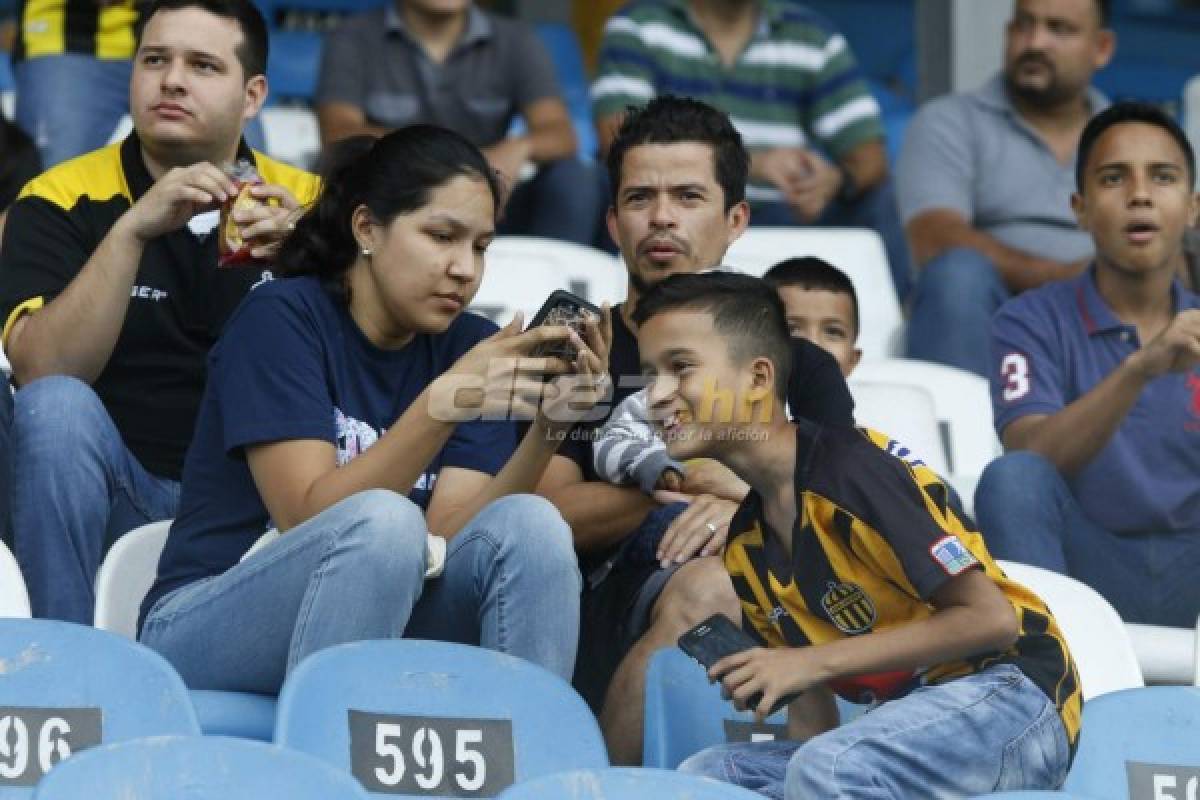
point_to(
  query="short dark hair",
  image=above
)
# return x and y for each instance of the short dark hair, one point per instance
(392, 175)
(810, 272)
(746, 311)
(668, 119)
(252, 52)
(1120, 113)
(1104, 11)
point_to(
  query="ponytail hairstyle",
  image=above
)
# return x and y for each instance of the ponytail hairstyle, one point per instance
(392, 175)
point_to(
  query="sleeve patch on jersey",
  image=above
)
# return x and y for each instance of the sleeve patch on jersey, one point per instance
(950, 553)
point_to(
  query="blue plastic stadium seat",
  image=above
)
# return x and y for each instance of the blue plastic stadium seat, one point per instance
(404, 712)
(1031, 794)
(685, 713)
(66, 687)
(625, 784)
(563, 45)
(293, 62)
(243, 714)
(1134, 738)
(196, 768)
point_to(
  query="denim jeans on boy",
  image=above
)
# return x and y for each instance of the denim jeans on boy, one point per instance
(991, 731)
(1027, 513)
(875, 209)
(356, 571)
(75, 489)
(955, 298)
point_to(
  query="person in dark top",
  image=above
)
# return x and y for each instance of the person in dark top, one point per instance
(678, 172)
(353, 409)
(856, 573)
(111, 295)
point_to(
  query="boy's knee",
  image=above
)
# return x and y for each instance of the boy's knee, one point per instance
(698, 590)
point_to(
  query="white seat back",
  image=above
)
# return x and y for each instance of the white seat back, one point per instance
(1094, 632)
(590, 273)
(1191, 113)
(291, 135)
(126, 575)
(516, 284)
(14, 599)
(905, 413)
(858, 252)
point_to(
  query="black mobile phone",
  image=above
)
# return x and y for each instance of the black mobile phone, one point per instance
(717, 637)
(563, 308)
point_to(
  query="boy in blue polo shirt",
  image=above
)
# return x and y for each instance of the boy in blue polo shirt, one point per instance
(1096, 387)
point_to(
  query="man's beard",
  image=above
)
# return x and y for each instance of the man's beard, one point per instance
(1053, 95)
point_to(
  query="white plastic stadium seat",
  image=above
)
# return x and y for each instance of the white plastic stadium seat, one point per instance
(292, 135)
(856, 251)
(1191, 113)
(1098, 639)
(126, 575)
(905, 413)
(963, 406)
(14, 600)
(1166, 655)
(516, 284)
(590, 273)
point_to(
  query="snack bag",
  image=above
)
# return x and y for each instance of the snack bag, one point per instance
(232, 250)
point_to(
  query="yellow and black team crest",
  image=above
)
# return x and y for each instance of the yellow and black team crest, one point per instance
(849, 607)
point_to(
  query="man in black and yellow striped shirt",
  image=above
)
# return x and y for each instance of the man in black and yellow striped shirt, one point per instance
(857, 574)
(111, 295)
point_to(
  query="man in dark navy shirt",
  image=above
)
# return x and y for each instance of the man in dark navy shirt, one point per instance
(678, 169)
(1096, 382)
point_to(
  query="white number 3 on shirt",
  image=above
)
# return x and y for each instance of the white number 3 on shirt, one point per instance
(1015, 371)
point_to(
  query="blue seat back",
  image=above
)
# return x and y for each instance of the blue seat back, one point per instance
(196, 768)
(626, 784)
(1029, 794)
(1132, 739)
(243, 714)
(293, 62)
(685, 713)
(66, 687)
(435, 717)
(562, 43)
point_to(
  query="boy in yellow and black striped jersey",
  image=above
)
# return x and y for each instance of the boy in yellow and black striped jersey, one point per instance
(850, 563)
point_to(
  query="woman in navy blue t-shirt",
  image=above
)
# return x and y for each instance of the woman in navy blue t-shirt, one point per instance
(355, 408)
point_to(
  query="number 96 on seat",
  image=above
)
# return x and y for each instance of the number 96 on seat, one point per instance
(32, 740)
(435, 756)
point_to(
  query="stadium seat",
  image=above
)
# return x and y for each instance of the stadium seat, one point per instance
(1095, 634)
(66, 687)
(963, 406)
(292, 135)
(196, 768)
(685, 713)
(856, 251)
(907, 413)
(425, 717)
(590, 273)
(122, 581)
(563, 46)
(293, 62)
(125, 576)
(14, 600)
(1139, 743)
(516, 284)
(1166, 655)
(625, 784)
(1191, 113)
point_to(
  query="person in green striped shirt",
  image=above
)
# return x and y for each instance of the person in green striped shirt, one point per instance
(793, 89)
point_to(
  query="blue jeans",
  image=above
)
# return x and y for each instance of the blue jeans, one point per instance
(356, 571)
(75, 489)
(875, 209)
(955, 298)
(561, 201)
(1027, 513)
(991, 731)
(70, 103)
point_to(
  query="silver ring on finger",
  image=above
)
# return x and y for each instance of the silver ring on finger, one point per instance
(712, 528)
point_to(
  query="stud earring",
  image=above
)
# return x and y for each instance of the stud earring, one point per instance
(366, 251)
